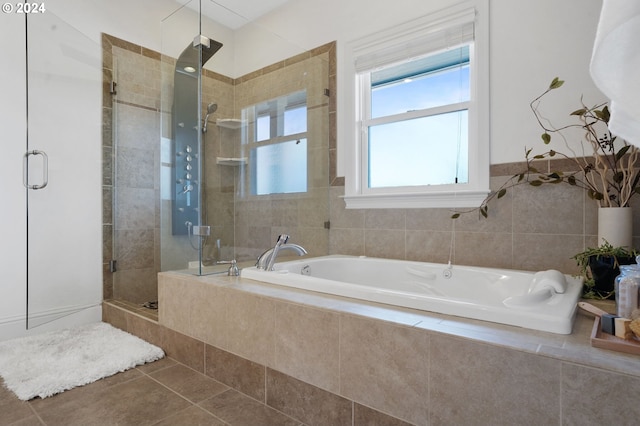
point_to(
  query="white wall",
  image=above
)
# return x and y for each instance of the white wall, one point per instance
(160, 25)
(531, 42)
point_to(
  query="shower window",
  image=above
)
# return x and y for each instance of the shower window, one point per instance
(278, 145)
(279, 168)
(420, 114)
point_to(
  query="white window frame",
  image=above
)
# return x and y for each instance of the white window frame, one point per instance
(409, 38)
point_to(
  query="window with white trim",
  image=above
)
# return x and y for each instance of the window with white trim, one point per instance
(420, 113)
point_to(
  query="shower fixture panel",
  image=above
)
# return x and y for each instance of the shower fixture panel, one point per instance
(187, 133)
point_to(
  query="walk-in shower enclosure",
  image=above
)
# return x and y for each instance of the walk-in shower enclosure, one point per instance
(187, 199)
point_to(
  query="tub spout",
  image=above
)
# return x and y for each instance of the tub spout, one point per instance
(268, 258)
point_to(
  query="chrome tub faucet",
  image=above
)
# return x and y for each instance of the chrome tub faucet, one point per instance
(267, 259)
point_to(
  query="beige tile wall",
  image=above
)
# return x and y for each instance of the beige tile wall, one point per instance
(492, 385)
(313, 362)
(310, 404)
(531, 228)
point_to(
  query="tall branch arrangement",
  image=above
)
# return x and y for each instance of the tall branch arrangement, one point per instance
(608, 174)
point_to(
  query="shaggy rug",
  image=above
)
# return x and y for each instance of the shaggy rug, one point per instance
(46, 364)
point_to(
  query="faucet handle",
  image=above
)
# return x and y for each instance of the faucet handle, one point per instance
(282, 239)
(233, 269)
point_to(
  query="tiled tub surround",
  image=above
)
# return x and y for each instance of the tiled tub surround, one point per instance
(331, 360)
(530, 229)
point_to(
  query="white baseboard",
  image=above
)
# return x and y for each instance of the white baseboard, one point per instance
(48, 321)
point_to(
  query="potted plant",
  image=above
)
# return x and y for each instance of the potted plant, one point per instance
(600, 266)
(609, 175)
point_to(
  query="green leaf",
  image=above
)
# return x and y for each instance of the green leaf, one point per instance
(536, 182)
(600, 114)
(554, 175)
(622, 152)
(595, 195)
(502, 192)
(520, 177)
(580, 111)
(552, 153)
(533, 170)
(605, 114)
(455, 216)
(618, 177)
(538, 157)
(571, 180)
(483, 211)
(555, 83)
(546, 138)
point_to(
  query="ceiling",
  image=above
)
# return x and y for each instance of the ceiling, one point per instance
(234, 13)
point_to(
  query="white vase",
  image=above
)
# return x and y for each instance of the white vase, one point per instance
(615, 225)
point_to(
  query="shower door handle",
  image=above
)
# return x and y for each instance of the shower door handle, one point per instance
(25, 169)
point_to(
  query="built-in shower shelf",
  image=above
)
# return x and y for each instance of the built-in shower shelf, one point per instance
(231, 161)
(230, 123)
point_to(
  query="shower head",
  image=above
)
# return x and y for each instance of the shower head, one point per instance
(196, 54)
(211, 108)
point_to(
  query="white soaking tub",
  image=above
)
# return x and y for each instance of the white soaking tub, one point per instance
(545, 300)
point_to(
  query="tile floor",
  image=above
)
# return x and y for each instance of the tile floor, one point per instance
(165, 392)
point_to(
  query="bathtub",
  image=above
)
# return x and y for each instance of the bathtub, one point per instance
(545, 300)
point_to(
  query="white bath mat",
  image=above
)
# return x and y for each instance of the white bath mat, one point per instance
(46, 364)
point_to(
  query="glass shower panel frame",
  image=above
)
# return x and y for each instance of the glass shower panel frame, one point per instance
(304, 213)
(135, 150)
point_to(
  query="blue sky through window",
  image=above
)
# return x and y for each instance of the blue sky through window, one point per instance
(430, 150)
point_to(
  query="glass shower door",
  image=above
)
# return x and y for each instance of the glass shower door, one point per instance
(62, 171)
(231, 191)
